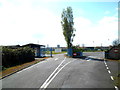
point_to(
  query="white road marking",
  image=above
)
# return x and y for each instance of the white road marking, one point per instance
(92, 56)
(107, 68)
(109, 71)
(111, 77)
(45, 86)
(88, 59)
(52, 74)
(106, 65)
(56, 59)
(104, 61)
(116, 88)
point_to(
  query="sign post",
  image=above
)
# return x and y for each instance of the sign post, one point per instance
(51, 52)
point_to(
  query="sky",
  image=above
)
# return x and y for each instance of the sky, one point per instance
(39, 22)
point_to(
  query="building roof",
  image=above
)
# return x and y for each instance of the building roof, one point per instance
(33, 45)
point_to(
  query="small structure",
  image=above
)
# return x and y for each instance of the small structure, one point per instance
(39, 49)
(113, 53)
(58, 49)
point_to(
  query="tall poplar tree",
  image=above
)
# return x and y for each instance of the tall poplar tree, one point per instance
(67, 26)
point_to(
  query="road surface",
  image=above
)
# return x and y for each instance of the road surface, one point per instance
(62, 72)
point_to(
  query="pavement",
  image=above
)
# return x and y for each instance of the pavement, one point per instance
(65, 73)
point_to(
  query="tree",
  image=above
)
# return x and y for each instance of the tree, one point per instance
(116, 42)
(67, 26)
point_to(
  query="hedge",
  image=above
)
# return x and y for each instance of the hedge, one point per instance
(77, 49)
(13, 57)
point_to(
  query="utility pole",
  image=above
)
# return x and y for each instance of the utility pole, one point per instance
(101, 46)
(93, 45)
(38, 41)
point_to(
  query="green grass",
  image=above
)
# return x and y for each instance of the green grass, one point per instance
(116, 80)
(0, 48)
(92, 51)
(53, 52)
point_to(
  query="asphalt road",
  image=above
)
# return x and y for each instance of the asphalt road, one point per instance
(62, 72)
(95, 54)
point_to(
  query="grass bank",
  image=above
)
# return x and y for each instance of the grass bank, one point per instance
(53, 52)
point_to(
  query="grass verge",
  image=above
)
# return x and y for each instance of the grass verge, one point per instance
(117, 80)
(53, 52)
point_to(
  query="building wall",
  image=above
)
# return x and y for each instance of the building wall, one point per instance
(58, 50)
(42, 51)
(37, 51)
(36, 48)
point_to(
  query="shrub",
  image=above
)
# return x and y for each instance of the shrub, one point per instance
(77, 49)
(12, 57)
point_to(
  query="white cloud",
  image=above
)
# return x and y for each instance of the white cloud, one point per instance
(83, 31)
(22, 23)
(88, 31)
(108, 20)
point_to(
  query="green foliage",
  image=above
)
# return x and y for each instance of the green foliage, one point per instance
(0, 48)
(67, 25)
(12, 57)
(77, 49)
(116, 42)
(53, 52)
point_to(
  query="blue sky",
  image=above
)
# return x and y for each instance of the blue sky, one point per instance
(86, 9)
(38, 21)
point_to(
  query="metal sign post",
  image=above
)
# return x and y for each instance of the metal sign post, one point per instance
(51, 52)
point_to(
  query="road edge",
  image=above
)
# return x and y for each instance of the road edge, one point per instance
(20, 69)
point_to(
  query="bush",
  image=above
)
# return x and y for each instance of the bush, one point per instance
(12, 57)
(77, 49)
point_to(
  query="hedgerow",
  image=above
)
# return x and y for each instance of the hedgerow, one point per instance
(12, 57)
